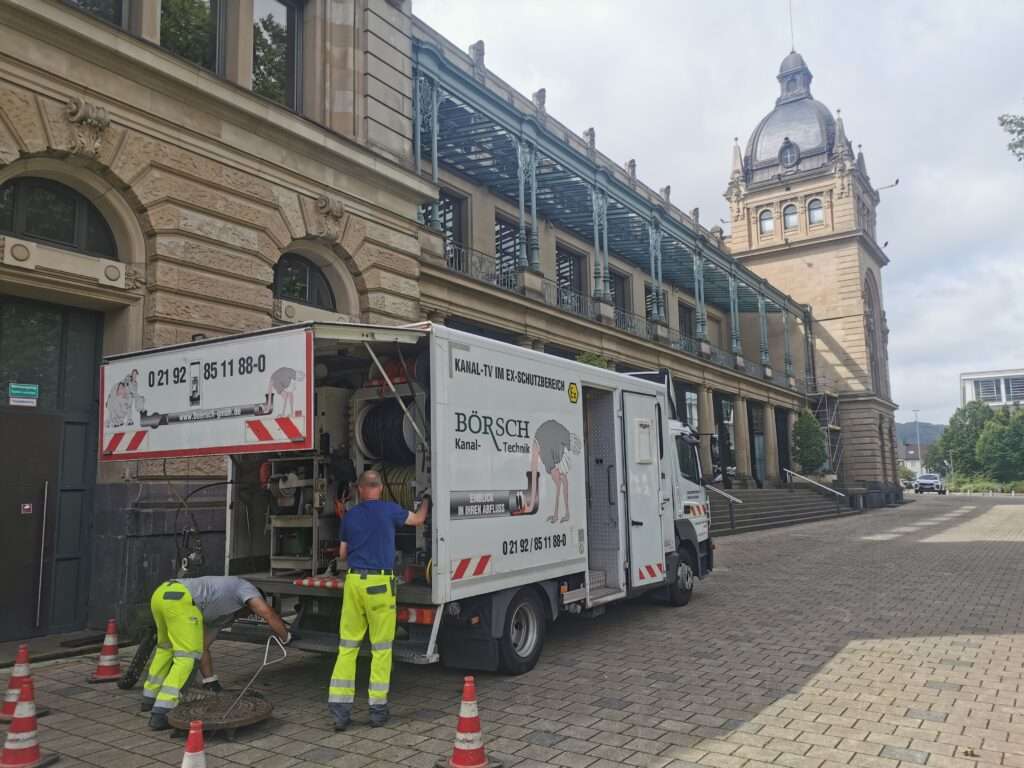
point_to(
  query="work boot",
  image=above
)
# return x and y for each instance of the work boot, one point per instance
(147, 705)
(158, 720)
(342, 714)
(379, 715)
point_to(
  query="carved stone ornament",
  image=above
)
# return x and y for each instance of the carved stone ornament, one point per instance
(666, 193)
(134, 277)
(88, 122)
(590, 136)
(540, 100)
(631, 171)
(330, 213)
(476, 53)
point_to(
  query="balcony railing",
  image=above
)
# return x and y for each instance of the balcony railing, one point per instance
(485, 268)
(565, 298)
(480, 266)
(638, 325)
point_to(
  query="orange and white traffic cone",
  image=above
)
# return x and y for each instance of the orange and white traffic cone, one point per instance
(108, 669)
(469, 744)
(195, 750)
(21, 750)
(21, 671)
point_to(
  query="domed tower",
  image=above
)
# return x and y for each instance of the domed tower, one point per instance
(802, 211)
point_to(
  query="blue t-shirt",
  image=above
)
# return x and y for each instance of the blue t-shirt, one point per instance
(369, 530)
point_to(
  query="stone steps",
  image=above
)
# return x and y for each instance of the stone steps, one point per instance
(770, 508)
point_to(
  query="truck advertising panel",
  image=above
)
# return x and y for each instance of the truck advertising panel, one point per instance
(247, 395)
(515, 466)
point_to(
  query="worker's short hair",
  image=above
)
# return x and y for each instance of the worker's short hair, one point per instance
(370, 479)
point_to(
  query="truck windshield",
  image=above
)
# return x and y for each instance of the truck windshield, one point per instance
(687, 459)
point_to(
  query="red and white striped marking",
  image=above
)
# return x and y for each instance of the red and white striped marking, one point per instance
(468, 567)
(125, 442)
(322, 582)
(280, 430)
(651, 571)
(416, 615)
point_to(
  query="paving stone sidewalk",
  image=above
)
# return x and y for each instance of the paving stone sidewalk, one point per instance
(890, 639)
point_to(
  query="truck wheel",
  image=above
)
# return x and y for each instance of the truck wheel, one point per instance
(680, 588)
(523, 637)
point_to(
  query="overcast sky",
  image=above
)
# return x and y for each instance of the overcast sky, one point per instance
(920, 85)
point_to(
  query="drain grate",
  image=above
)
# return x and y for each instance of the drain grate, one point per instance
(210, 708)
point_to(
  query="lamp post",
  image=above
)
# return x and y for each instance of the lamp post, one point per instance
(917, 428)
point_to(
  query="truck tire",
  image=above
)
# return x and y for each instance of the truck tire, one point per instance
(523, 637)
(680, 587)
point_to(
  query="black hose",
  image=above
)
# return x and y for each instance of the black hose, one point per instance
(383, 433)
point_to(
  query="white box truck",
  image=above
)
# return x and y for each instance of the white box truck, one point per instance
(557, 487)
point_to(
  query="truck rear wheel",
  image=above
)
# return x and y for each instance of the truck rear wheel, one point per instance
(523, 637)
(680, 588)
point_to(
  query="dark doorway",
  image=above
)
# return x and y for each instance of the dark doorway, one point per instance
(722, 445)
(47, 464)
(782, 432)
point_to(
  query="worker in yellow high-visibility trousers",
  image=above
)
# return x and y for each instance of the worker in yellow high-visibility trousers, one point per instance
(368, 543)
(188, 614)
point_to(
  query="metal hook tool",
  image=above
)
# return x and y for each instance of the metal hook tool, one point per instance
(266, 663)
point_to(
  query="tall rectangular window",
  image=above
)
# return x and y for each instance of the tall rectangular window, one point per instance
(506, 250)
(277, 51)
(111, 11)
(620, 291)
(1014, 389)
(687, 320)
(568, 269)
(194, 30)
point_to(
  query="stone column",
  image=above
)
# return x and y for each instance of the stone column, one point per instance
(705, 426)
(238, 43)
(741, 439)
(771, 447)
(144, 19)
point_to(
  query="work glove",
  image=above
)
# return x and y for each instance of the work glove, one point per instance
(288, 639)
(212, 683)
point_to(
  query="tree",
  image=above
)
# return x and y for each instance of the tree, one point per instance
(594, 359)
(188, 29)
(808, 442)
(905, 473)
(957, 445)
(270, 58)
(935, 459)
(1014, 125)
(1000, 446)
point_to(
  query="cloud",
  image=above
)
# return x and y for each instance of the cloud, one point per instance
(920, 85)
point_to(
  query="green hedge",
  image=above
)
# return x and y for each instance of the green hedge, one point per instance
(981, 484)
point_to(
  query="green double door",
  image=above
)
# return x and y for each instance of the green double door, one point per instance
(47, 464)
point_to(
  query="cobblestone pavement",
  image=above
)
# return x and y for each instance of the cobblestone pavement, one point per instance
(884, 640)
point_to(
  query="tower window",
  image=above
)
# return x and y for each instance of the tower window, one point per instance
(790, 220)
(766, 222)
(815, 212)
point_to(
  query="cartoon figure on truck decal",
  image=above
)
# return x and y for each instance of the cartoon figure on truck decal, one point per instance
(552, 444)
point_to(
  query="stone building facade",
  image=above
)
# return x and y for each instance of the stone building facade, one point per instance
(803, 216)
(165, 178)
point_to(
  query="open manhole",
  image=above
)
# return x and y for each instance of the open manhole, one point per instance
(211, 708)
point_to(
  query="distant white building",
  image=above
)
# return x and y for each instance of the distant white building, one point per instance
(907, 455)
(997, 388)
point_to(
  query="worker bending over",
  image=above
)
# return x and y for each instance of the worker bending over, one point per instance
(188, 614)
(368, 542)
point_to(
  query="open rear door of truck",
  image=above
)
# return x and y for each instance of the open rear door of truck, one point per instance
(643, 488)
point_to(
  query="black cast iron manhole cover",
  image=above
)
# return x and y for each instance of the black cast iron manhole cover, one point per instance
(211, 709)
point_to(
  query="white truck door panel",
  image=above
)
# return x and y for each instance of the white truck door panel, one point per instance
(643, 489)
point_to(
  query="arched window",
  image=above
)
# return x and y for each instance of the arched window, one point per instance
(815, 212)
(298, 279)
(49, 212)
(790, 220)
(766, 222)
(871, 330)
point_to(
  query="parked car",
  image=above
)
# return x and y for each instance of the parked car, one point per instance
(928, 484)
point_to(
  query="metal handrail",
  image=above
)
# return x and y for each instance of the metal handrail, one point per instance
(720, 492)
(813, 482)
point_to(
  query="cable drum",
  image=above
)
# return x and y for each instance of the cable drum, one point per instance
(398, 484)
(387, 433)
